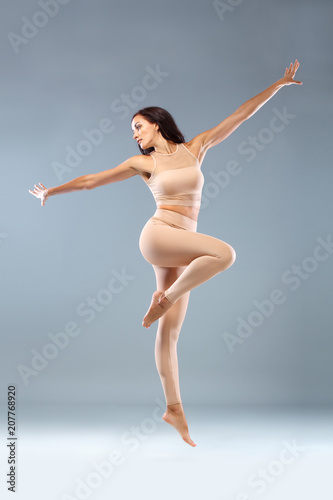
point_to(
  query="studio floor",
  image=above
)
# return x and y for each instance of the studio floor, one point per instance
(122, 452)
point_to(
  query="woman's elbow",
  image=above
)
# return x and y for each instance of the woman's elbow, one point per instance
(88, 181)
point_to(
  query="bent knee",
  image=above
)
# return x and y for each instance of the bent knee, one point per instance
(227, 256)
(232, 255)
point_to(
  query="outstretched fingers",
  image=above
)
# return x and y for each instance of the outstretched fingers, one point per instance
(39, 191)
(293, 68)
(291, 71)
(296, 66)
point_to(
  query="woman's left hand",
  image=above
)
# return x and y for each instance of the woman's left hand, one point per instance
(289, 74)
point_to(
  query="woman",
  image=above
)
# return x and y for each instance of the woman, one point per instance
(182, 258)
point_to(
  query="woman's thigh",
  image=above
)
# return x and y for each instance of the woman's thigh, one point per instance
(166, 246)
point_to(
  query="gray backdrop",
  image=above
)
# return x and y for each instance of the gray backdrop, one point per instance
(74, 286)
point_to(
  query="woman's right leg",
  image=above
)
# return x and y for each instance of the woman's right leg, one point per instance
(167, 335)
(166, 358)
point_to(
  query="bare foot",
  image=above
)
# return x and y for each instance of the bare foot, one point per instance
(159, 305)
(175, 416)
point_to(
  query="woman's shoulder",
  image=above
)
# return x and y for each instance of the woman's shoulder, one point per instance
(144, 164)
(195, 147)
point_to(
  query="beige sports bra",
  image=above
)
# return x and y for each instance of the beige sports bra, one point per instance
(177, 178)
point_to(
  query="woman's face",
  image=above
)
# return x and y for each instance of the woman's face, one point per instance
(144, 132)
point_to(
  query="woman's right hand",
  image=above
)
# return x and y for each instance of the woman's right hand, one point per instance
(41, 193)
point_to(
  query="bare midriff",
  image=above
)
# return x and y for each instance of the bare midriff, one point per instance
(191, 212)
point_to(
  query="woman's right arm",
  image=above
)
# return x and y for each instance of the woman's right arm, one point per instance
(133, 166)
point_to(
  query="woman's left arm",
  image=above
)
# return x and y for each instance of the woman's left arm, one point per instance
(217, 134)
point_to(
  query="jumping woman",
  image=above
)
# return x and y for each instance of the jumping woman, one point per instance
(181, 258)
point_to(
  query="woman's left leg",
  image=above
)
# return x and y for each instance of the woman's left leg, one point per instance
(166, 245)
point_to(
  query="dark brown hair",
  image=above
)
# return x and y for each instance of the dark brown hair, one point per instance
(166, 124)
